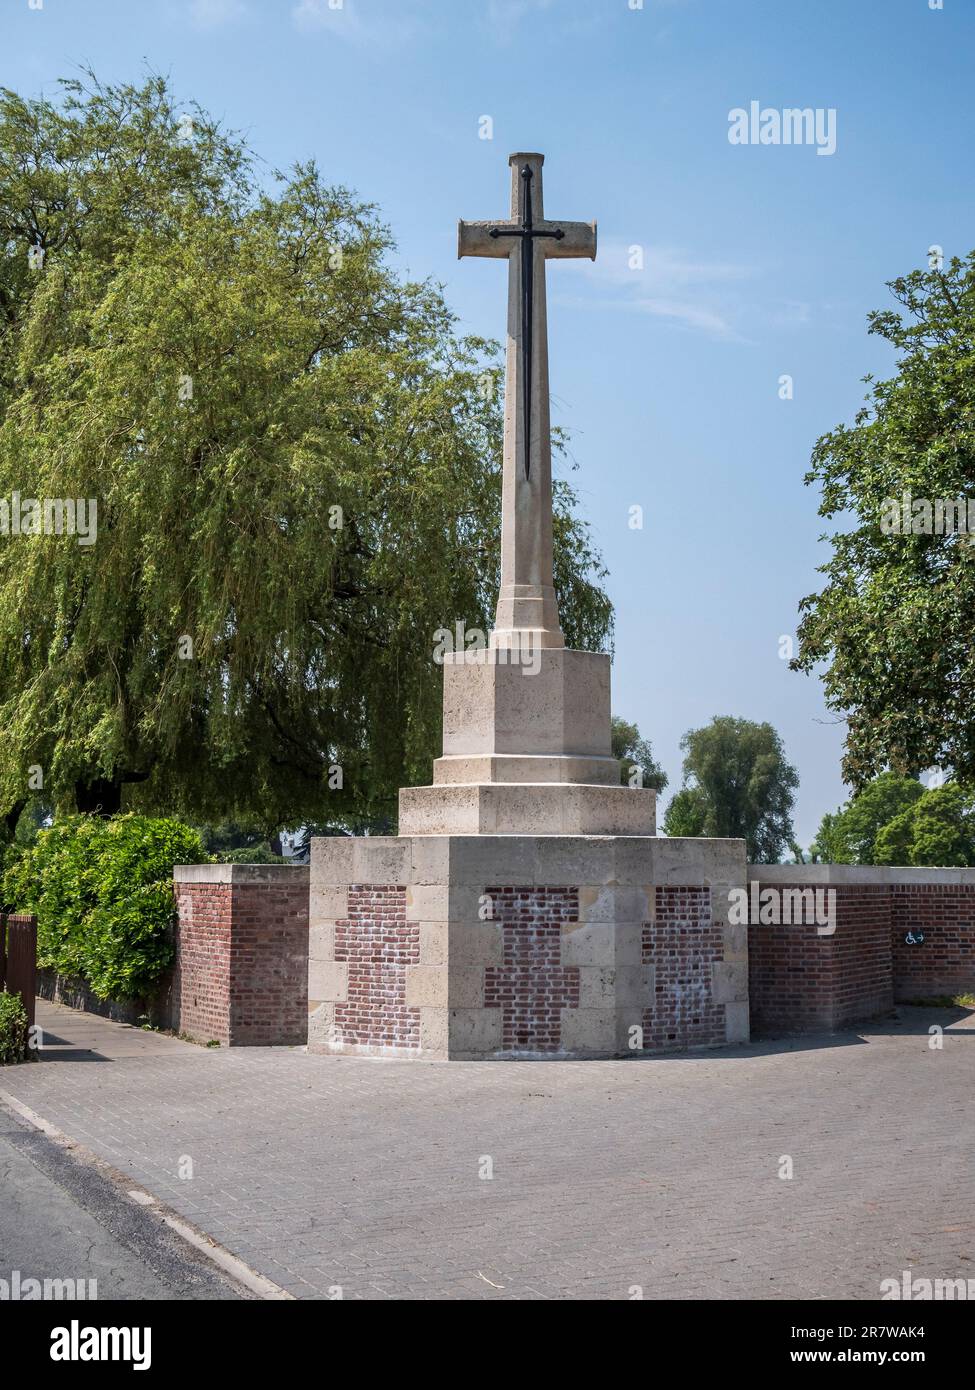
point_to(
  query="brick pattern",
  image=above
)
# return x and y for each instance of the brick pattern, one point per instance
(202, 977)
(241, 972)
(682, 944)
(802, 982)
(379, 945)
(269, 964)
(944, 963)
(532, 986)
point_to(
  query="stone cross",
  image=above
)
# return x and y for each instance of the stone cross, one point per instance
(527, 612)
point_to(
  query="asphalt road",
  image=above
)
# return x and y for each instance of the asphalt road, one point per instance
(64, 1218)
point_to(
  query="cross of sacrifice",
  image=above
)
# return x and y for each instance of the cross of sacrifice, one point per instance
(527, 611)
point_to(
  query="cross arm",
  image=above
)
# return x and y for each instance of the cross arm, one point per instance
(574, 239)
(475, 239)
(577, 239)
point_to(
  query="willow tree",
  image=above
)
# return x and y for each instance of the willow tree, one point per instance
(296, 464)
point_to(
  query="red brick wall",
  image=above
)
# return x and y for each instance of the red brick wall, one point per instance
(862, 977)
(944, 963)
(378, 943)
(241, 972)
(269, 964)
(532, 986)
(682, 945)
(800, 981)
(201, 990)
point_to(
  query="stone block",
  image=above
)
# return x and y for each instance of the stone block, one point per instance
(729, 982)
(589, 944)
(736, 1022)
(433, 943)
(426, 987)
(597, 988)
(321, 941)
(474, 1031)
(589, 1030)
(328, 980)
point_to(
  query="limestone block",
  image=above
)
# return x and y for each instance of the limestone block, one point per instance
(382, 859)
(427, 902)
(474, 1031)
(434, 1031)
(589, 944)
(490, 861)
(527, 809)
(332, 861)
(433, 943)
(321, 1024)
(476, 944)
(628, 938)
(559, 704)
(328, 980)
(736, 1026)
(614, 904)
(466, 988)
(589, 1030)
(430, 856)
(321, 941)
(634, 861)
(525, 767)
(426, 987)
(735, 939)
(597, 988)
(471, 902)
(327, 904)
(580, 861)
(634, 986)
(729, 982)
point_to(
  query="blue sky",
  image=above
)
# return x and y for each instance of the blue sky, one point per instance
(759, 261)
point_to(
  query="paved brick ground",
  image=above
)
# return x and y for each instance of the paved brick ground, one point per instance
(663, 1174)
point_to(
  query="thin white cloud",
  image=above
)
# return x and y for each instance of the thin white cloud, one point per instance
(214, 14)
(363, 22)
(503, 17)
(667, 283)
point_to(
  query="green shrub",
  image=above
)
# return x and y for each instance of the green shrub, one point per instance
(102, 894)
(13, 1029)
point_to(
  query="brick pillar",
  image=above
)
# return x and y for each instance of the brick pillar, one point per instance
(241, 973)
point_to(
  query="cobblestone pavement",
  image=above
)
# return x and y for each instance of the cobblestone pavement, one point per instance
(654, 1174)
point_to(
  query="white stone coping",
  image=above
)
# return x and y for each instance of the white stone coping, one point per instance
(857, 875)
(237, 873)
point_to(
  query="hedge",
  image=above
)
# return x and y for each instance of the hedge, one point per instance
(13, 1028)
(102, 893)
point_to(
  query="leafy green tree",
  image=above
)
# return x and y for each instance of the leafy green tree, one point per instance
(829, 846)
(296, 463)
(856, 825)
(937, 829)
(686, 813)
(745, 782)
(894, 621)
(230, 843)
(635, 755)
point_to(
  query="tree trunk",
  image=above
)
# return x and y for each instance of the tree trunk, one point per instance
(99, 797)
(13, 816)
